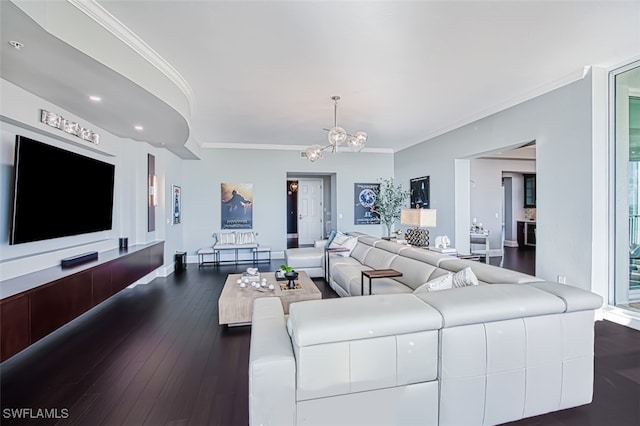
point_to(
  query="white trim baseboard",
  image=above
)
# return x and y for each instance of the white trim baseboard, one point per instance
(622, 316)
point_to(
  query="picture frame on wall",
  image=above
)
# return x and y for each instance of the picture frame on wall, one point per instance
(420, 192)
(176, 210)
(236, 205)
(364, 198)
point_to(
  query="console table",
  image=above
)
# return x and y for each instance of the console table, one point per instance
(36, 304)
(480, 238)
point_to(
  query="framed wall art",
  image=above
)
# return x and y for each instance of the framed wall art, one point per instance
(419, 188)
(365, 198)
(176, 211)
(236, 204)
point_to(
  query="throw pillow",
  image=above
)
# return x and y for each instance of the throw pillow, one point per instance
(245, 238)
(344, 241)
(464, 277)
(332, 235)
(338, 240)
(226, 238)
(441, 283)
(350, 244)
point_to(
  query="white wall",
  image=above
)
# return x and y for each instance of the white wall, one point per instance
(200, 182)
(267, 171)
(20, 115)
(486, 194)
(560, 122)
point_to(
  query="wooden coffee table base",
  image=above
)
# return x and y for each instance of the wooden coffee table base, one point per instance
(235, 305)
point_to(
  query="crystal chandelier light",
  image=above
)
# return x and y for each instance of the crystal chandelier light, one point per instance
(337, 135)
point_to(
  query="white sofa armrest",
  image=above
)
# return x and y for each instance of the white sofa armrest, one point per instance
(576, 299)
(272, 366)
(320, 243)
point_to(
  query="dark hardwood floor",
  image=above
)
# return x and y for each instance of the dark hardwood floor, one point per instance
(155, 355)
(517, 259)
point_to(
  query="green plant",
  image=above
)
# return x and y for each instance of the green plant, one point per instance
(389, 201)
(286, 268)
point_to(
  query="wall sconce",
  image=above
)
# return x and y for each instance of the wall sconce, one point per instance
(420, 218)
(153, 199)
(54, 120)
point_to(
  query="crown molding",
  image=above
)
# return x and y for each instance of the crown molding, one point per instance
(502, 106)
(110, 23)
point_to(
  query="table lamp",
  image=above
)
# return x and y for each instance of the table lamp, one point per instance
(420, 218)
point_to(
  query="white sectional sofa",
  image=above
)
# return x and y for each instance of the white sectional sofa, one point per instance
(308, 259)
(512, 347)
(417, 265)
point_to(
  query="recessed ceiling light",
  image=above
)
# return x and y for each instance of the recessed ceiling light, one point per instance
(94, 98)
(16, 44)
(138, 127)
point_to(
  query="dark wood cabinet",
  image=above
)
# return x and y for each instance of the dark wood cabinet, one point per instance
(58, 295)
(57, 303)
(526, 234)
(14, 325)
(101, 284)
(529, 191)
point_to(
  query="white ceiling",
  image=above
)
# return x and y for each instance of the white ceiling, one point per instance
(262, 72)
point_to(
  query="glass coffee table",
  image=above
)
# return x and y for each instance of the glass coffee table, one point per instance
(235, 305)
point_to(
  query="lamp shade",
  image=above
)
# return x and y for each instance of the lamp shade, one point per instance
(425, 218)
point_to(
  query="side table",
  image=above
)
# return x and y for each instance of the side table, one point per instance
(480, 238)
(180, 259)
(327, 252)
(377, 273)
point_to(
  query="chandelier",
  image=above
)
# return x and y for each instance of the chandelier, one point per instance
(337, 135)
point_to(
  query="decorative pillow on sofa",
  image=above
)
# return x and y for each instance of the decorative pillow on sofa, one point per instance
(464, 277)
(332, 235)
(344, 241)
(350, 244)
(441, 283)
(226, 237)
(338, 240)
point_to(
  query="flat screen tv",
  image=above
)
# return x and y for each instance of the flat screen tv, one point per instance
(58, 193)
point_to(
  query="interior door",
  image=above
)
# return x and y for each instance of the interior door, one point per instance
(310, 217)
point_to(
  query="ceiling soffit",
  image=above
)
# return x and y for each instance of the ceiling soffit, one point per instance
(138, 86)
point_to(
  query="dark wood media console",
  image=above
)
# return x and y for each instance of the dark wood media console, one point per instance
(56, 296)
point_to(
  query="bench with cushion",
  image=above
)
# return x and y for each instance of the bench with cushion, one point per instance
(231, 241)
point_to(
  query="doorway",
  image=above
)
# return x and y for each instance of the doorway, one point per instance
(310, 217)
(292, 213)
(499, 204)
(310, 202)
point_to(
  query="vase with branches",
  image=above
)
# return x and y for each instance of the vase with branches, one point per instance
(390, 198)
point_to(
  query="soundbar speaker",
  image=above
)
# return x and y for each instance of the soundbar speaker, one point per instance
(81, 258)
